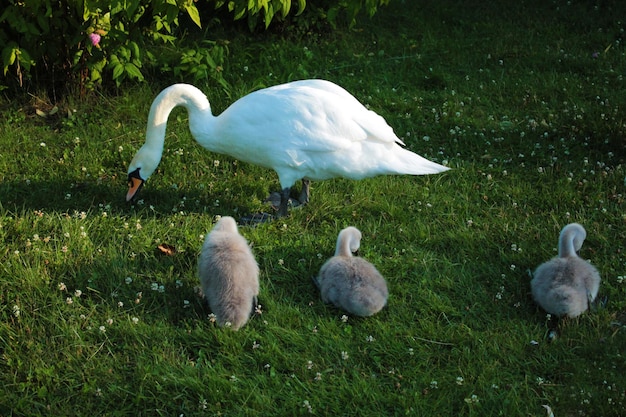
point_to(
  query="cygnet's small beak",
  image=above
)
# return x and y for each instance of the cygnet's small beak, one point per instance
(135, 182)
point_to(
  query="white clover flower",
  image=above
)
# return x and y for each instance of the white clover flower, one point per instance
(203, 404)
(69, 300)
(102, 329)
(344, 355)
(62, 286)
(128, 280)
(135, 320)
(344, 318)
(459, 380)
(78, 293)
(473, 399)
(16, 310)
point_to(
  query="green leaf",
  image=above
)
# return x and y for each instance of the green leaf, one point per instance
(285, 6)
(301, 6)
(25, 60)
(9, 54)
(118, 70)
(134, 49)
(133, 71)
(193, 14)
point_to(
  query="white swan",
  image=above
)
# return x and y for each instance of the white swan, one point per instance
(229, 274)
(350, 282)
(567, 284)
(309, 130)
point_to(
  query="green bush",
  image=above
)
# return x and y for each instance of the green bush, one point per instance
(88, 41)
(83, 40)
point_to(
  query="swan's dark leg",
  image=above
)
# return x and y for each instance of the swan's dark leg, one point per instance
(304, 194)
(284, 202)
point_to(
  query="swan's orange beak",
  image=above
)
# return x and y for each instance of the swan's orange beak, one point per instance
(135, 182)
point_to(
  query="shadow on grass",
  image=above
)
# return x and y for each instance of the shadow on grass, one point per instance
(67, 197)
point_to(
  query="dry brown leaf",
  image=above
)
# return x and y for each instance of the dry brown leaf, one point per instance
(166, 249)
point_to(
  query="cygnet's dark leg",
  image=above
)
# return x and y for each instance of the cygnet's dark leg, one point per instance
(304, 194)
(255, 304)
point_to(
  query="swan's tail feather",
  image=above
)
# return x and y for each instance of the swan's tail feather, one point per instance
(413, 164)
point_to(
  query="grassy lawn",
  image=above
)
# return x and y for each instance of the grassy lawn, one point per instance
(524, 100)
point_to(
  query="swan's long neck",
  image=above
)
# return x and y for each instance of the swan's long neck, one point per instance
(571, 240)
(185, 95)
(348, 241)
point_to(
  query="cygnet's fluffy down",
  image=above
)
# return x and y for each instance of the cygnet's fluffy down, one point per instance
(352, 283)
(229, 274)
(567, 284)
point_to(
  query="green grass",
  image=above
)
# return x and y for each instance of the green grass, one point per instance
(512, 96)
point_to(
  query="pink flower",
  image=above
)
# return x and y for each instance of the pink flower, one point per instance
(94, 38)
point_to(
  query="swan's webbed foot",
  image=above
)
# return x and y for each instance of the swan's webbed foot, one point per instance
(281, 201)
(256, 218)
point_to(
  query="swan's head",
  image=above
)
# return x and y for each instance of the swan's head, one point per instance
(144, 163)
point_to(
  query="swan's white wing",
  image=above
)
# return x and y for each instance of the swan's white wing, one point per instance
(373, 126)
(311, 118)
